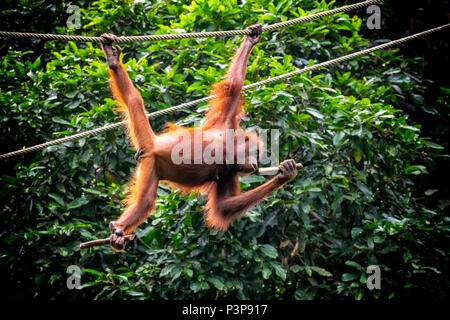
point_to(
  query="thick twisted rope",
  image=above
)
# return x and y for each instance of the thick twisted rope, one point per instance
(247, 87)
(158, 37)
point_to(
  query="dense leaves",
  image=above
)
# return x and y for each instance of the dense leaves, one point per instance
(353, 205)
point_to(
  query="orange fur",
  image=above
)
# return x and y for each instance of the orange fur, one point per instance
(217, 109)
(214, 218)
(131, 196)
(220, 182)
(123, 110)
(218, 106)
(201, 189)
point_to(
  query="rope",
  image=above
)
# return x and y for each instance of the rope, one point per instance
(158, 37)
(348, 57)
(247, 87)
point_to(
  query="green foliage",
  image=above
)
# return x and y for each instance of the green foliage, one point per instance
(353, 205)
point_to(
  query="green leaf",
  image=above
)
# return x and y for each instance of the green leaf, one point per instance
(266, 272)
(94, 272)
(353, 264)
(134, 293)
(36, 64)
(434, 145)
(364, 189)
(217, 283)
(269, 251)
(338, 138)
(379, 237)
(445, 90)
(429, 192)
(321, 271)
(77, 203)
(61, 121)
(359, 294)
(279, 270)
(166, 270)
(92, 191)
(57, 198)
(295, 268)
(416, 170)
(356, 232)
(71, 94)
(357, 156)
(349, 276)
(314, 113)
(188, 272)
(195, 286)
